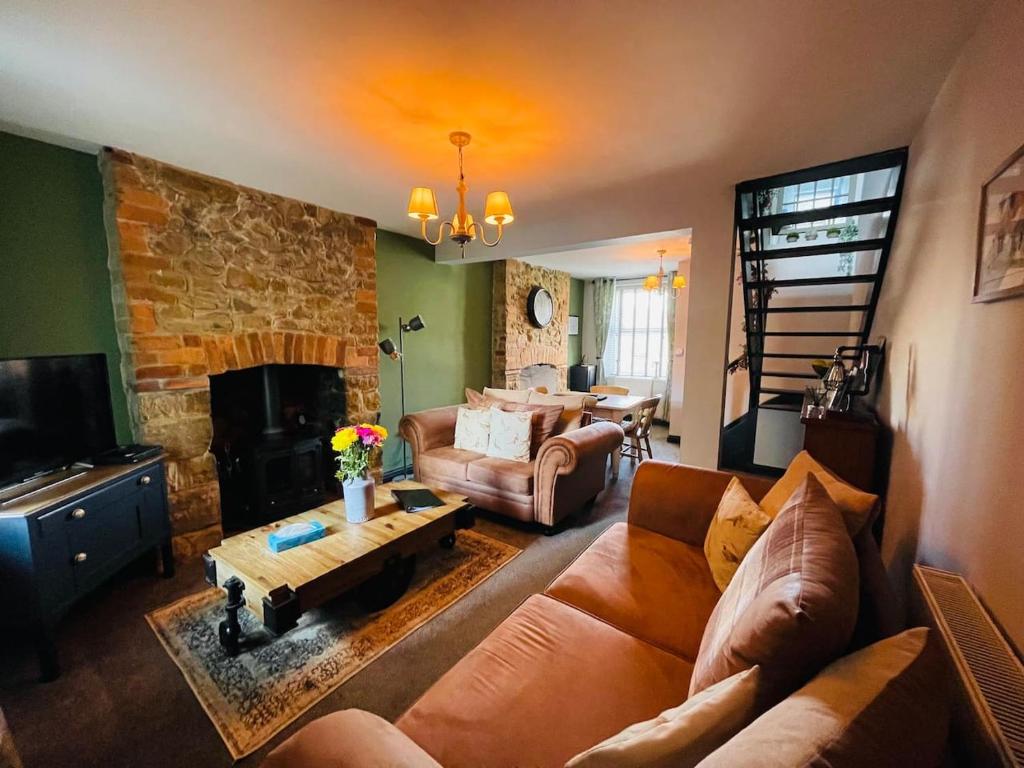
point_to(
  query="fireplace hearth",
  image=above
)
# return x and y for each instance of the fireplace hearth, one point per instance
(271, 437)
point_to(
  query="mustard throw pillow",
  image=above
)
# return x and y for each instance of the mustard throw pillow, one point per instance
(857, 506)
(737, 525)
(682, 736)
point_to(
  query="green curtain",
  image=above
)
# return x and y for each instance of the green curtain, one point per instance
(604, 298)
(665, 407)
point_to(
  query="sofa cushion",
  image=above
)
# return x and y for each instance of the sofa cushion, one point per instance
(350, 738)
(511, 395)
(549, 682)
(792, 604)
(447, 461)
(545, 421)
(502, 475)
(656, 588)
(737, 525)
(574, 405)
(682, 736)
(510, 435)
(473, 429)
(885, 705)
(857, 506)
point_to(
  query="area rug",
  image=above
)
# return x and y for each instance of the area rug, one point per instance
(253, 696)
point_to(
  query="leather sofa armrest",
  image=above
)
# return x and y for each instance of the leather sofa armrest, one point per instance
(679, 501)
(428, 429)
(350, 738)
(562, 453)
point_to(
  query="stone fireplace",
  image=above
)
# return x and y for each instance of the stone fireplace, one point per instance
(210, 277)
(516, 344)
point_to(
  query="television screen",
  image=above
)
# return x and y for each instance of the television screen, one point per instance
(54, 411)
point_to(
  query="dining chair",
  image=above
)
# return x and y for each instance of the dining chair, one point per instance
(638, 431)
(609, 389)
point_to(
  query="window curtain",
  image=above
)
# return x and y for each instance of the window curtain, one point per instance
(604, 299)
(665, 408)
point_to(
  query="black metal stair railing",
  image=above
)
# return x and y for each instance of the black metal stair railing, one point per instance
(778, 228)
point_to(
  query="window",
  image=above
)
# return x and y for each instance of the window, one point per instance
(637, 344)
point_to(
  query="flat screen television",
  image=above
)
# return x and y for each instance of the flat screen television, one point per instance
(54, 411)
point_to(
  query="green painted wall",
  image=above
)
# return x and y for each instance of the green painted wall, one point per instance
(576, 308)
(453, 351)
(53, 259)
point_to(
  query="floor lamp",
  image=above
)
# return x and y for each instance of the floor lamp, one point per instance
(387, 346)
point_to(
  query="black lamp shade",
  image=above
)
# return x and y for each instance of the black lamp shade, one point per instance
(417, 324)
(387, 346)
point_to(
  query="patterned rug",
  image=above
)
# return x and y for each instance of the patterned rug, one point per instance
(253, 696)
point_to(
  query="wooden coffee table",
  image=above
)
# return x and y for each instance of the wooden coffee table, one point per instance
(376, 558)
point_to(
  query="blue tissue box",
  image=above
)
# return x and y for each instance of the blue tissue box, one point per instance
(295, 534)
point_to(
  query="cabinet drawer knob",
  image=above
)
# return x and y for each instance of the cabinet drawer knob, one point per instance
(145, 479)
(78, 514)
(81, 557)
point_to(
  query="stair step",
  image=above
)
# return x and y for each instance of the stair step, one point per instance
(815, 250)
(780, 391)
(800, 356)
(784, 375)
(795, 283)
(827, 308)
(793, 407)
(891, 158)
(838, 334)
(777, 220)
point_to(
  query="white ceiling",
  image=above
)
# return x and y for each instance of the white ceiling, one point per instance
(602, 120)
(621, 258)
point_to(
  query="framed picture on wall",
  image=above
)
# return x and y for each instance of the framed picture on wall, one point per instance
(999, 272)
(574, 325)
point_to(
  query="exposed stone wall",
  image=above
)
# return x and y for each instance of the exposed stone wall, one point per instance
(515, 341)
(209, 277)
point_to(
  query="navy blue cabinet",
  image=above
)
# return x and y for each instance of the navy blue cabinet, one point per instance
(58, 544)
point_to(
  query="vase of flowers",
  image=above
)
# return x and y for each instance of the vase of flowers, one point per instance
(357, 446)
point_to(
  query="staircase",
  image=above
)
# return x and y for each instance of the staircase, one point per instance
(812, 251)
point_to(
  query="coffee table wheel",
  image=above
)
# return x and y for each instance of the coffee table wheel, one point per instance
(380, 591)
(447, 542)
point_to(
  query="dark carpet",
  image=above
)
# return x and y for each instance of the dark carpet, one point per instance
(121, 701)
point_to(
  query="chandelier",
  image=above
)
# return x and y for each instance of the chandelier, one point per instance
(655, 282)
(462, 228)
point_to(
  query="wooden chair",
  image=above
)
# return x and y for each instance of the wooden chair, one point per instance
(638, 431)
(609, 389)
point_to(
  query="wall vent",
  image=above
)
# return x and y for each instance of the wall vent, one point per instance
(988, 719)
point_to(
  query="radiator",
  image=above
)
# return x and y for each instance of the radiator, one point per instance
(988, 716)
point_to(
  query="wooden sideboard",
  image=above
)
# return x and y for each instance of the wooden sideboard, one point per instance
(60, 543)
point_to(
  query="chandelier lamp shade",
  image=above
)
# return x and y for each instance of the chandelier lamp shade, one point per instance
(657, 282)
(462, 229)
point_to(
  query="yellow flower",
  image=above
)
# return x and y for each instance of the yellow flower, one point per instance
(380, 431)
(342, 439)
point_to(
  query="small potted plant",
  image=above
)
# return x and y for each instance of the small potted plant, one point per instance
(357, 447)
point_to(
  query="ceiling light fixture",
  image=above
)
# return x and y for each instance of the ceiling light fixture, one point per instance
(462, 228)
(656, 282)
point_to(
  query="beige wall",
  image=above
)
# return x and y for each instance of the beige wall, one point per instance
(953, 390)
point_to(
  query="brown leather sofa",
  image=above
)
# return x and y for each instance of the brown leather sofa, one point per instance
(635, 625)
(568, 472)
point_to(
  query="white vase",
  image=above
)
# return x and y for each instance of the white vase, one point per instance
(359, 494)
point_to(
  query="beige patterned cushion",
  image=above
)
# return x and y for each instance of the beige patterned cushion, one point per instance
(682, 736)
(473, 429)
(737, 525)
(885, 705)
(510, 435)
(856, 505)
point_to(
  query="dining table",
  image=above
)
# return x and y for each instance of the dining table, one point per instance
(617, 408)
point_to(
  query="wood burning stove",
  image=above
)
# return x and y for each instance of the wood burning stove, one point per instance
(272, 427)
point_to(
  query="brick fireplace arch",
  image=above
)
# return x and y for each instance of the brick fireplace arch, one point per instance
(209, 277)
